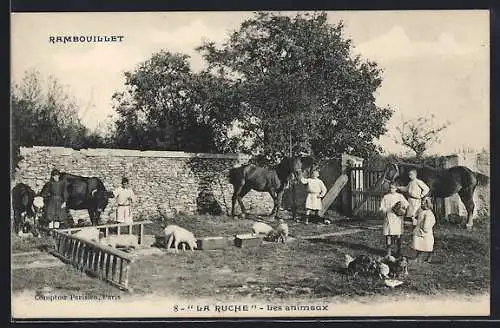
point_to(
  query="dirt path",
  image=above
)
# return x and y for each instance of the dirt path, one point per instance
(331, 234)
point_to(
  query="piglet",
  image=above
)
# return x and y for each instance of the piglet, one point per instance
(127, 241)
(261, 228)
(169, 230)
(90, 234)
(176, 235)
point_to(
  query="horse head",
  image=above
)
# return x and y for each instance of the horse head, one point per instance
(292, 165)
(391, 173)
(398, 172)
(289, 166)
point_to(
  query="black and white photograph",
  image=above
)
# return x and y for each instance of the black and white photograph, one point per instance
(250, 164)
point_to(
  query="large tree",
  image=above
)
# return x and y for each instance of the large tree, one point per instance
(297, 82)
(168, 106)
(44, 114)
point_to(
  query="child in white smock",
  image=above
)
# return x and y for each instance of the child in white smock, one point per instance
(393, 223)
(423, 235)
(316, 190)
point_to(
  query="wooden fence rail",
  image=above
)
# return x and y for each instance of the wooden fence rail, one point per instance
(107, 227)
(101, 261)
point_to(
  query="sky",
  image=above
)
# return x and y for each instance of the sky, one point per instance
(434, 62)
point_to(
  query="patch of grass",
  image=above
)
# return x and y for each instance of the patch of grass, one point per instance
(29, 244)
(226, 226)
(64, 280)
(298, 269)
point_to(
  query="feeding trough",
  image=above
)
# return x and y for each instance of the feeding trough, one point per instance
(209, 243)
(246, 240)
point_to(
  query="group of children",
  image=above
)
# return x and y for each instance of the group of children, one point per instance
(418, 208)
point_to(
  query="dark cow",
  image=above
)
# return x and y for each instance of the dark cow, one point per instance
(84, 193)
(23, 207)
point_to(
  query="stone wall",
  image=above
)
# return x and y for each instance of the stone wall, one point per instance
(162, 180)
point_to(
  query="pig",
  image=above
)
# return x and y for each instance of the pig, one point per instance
(169, 229)
(116, 241)
(168, 232)
(261, 228)
(176, 235)
(90, 234)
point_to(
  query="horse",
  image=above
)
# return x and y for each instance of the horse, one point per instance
(442, 182)
(272, 180)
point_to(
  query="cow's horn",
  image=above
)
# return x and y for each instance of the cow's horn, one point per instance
(93, 192)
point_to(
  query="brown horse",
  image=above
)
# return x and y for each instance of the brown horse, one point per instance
(442, 182)
(272, 180)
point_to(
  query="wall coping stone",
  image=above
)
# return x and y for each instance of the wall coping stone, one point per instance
(105, 152)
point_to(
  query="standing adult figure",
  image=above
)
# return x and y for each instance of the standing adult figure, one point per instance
(125, 197)
(416, 190)
(56, 193)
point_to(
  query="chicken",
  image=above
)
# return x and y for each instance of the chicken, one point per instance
(347, 259)
(282, 231)
(383, 270)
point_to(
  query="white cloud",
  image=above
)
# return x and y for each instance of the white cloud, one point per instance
(397, 44)
(191, 34)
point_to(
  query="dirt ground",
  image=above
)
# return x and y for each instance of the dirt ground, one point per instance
(306, 269)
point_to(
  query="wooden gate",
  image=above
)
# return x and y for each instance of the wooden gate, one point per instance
(367, 190)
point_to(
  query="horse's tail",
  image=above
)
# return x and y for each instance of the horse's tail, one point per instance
(482, 179)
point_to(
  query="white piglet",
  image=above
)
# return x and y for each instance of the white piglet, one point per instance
(177, 235)
(261, 228)
(169, 229)
(91, 234)
(127, 241)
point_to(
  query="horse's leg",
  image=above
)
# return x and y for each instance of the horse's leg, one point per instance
(279, 200)
(274, 196)
(17, 221)
(234, 199)
(242, 194)
(467, 197)
(294, 203)
(92, 216)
